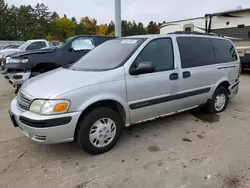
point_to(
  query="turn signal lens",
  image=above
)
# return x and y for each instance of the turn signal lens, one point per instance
(49, 107)
(61, 107)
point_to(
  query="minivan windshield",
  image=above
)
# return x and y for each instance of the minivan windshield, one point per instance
(108, 55)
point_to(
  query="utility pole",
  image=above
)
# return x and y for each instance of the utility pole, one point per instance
(118, 19)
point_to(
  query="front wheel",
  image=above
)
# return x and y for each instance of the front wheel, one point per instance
(17, 88)
(219, 101)
(99, 130)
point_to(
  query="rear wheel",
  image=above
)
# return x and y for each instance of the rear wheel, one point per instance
(219, 101)
(99, 130)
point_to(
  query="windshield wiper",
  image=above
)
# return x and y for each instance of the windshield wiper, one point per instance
(67, 66)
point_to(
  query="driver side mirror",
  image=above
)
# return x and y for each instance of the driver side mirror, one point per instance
(143, 68)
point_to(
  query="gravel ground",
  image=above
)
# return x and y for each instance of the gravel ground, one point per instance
(188, 150)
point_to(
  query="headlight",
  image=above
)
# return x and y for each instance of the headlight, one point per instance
(16, 60)
(47, 107)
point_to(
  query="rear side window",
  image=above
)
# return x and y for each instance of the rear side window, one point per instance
(224, 50)
(195, 52)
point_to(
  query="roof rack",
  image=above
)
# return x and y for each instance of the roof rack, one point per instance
(194, 33)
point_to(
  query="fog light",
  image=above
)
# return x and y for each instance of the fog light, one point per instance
(18, 77)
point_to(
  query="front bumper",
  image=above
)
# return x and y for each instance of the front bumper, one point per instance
(17, 78)
(15, 73)
(44, 129)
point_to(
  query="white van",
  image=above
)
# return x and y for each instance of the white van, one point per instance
(124, 81)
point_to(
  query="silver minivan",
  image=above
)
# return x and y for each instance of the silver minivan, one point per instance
(124, 81)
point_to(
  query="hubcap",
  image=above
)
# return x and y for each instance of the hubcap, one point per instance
(102, 132)
(220, 102)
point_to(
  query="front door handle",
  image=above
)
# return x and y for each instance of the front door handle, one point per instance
(186, 74)
(174, 76)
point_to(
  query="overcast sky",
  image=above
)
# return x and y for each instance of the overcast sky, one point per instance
(138, 10)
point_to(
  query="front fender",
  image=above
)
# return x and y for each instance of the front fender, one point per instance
(102, 97)
(83, 97)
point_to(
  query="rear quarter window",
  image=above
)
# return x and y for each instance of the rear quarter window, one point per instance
(195, 52)
(224, 50)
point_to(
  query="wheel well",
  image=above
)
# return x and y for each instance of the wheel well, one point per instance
(114, 105)
(224, 84)
(44, 67)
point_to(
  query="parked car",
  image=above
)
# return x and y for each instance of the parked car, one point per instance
(244, 53)
(124, 81)
(23, 65)
(12, 46)
(28, 45)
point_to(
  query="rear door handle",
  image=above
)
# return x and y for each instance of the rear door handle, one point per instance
(186, 74)
(174, 76)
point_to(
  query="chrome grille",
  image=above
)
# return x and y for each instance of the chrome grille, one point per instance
(24, 100)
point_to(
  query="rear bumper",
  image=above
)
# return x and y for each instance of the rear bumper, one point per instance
(234, 88)
(44, 129)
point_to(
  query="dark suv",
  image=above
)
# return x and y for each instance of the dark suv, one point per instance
(21, 66)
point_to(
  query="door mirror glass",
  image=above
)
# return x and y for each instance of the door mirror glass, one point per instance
(82, 44)
(143, 68)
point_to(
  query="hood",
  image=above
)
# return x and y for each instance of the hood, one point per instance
(47, 84)
(40, 51)
(6, 52)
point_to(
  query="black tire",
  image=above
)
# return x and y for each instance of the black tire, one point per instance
(42, 68)
(86, 122)
(33, 74)
(242, 71)
(17, 88)
(211, 103)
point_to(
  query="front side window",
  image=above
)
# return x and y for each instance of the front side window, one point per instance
(159, 52)
(224, 50)
(109, 55)
(36, 45)
(83, 44)
(24, 45)
(195, 52)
